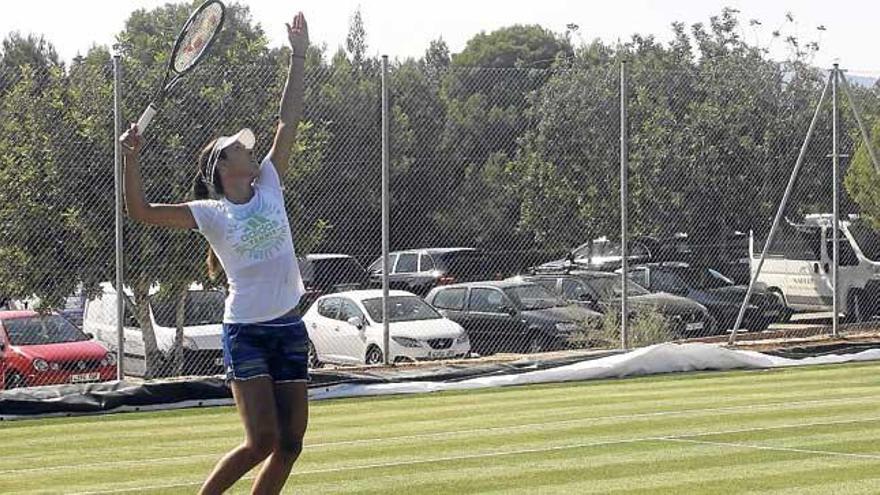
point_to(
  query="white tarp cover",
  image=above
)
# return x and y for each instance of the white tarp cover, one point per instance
(660, 358)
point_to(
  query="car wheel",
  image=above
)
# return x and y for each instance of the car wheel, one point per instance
(374, 356)
(536, 343)
(855, 307)
(314, 362)
(785, 317)
(14, 380)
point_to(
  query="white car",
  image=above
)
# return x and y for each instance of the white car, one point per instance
(202, 328)
(346, 328)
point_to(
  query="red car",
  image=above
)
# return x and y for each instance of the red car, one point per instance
(49, 350)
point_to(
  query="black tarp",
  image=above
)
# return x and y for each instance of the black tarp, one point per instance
(109, 396)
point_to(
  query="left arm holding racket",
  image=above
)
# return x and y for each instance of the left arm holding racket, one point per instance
(292, 97)
(192, 44)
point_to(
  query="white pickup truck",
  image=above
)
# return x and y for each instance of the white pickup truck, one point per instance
(799, 265)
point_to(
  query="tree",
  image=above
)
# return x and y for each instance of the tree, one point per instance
(356, 42)
(39, 223)
(485, 92)
(714, 129)
(436, 61)
(862, 180)
(32, 50)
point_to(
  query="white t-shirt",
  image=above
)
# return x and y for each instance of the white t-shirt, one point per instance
(255, 247)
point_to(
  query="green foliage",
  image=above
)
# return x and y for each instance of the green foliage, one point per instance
(862, 181)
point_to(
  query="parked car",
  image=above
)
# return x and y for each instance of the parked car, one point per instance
(601, 291)
(202, 328)
(799, 265)
(48, 350)
(726, 254)
(72, 310)
(420, 270)
(599, 254)
(328, 273)
(346, 328)
(514, 316)
(720, 295)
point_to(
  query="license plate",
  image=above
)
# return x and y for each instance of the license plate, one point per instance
(771, 314)
(694, 326)
(85, 378)
(218, 361)
(439, 354)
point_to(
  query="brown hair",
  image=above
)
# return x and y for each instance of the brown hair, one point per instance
(201, 189)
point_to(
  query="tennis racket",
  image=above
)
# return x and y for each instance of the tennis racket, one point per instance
(191, 46)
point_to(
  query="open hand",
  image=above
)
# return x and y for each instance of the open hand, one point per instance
(298, 34)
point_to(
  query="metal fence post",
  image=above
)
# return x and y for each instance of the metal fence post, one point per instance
(835, 162)
(386, 227)
(117, 162)
(624, 158)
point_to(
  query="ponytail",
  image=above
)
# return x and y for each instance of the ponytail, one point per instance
(201, 190)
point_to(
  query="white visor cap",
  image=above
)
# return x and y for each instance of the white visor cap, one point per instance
(244, 136)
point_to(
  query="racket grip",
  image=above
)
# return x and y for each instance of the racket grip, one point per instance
(146, 118)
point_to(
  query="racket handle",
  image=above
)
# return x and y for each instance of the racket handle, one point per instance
(146, 118)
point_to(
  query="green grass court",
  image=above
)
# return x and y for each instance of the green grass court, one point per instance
(795, 431)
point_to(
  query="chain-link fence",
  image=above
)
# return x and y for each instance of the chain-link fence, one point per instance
(505, 210)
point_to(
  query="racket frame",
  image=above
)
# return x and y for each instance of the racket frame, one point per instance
(152, 108)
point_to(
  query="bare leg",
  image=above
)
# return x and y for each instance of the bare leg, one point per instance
(255, 400)
(293, 417)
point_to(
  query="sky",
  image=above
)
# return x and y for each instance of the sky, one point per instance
(403, 28)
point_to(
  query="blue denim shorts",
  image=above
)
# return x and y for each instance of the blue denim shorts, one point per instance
(278, 349)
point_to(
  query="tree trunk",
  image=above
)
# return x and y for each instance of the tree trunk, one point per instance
(152, 356)
(179, 320)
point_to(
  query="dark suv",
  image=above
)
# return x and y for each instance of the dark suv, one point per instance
(420, 270)
(720, 295)
(601, 291)
(328, 273)
(514, 316)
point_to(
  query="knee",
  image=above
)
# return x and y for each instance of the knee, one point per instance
(262, 443)
(289, 446)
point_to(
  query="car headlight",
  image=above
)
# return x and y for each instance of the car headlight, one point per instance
(407, 342)
(41, 365)
(566, 326)
(109, 359)
(462, 339)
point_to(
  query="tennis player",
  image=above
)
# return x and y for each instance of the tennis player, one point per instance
(240, 211)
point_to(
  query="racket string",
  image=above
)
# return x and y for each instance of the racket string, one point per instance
(197, 37)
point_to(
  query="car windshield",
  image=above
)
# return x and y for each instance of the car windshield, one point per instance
(529, 297)
(704, 278)
(867, 238)
(203, 307)
(401, 308)
(36, 330)
(610, 287)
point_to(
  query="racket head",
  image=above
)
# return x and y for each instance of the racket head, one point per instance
(198, 34)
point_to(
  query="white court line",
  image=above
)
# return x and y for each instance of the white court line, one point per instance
(775, 449)
(684, 438)
(446, 434)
